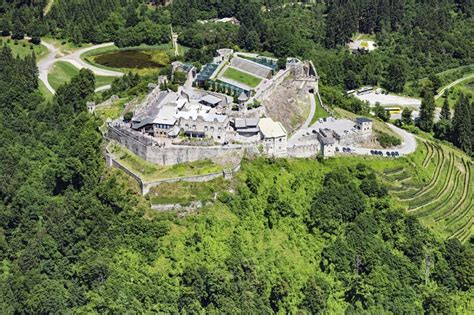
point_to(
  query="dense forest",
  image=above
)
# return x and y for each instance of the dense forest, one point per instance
(296, 235)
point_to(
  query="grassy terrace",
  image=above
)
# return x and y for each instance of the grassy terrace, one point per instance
(242, 77)
(443, 199)
(320, 112)
(185, 192)
(62, 72)
(151, 172)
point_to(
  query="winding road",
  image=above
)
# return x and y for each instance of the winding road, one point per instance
(46, 64)
(450, 85)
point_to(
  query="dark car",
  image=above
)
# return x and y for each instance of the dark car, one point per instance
(372, 152)
(387, 153)
(380, 153)
(396, 153)
(337, 149)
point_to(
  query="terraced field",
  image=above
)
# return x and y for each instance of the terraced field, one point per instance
(444, 199)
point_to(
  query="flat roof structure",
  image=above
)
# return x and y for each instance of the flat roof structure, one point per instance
(166, 116)
(211, 100)
(363, 120)
(271, 129)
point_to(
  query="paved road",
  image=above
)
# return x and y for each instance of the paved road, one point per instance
(294, 139)
(389, 99)
(450, 85)
(45, 64)
(75, 60)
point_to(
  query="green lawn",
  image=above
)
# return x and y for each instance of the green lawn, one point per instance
(24, 48)
(62, 72)
(320, 112)
(65, 47)
(242, 77)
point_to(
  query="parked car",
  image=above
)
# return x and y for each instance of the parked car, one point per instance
(337, 149)
(387, 153)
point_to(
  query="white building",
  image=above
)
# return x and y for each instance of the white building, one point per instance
(274, 137)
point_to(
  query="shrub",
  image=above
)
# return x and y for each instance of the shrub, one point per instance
(35, 40)
(128, 116)
(387, 140)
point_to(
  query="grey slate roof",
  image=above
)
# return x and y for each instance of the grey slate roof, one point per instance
(363, 119)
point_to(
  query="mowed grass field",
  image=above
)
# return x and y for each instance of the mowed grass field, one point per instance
(62, 73)
(242, 77)
(23, 48)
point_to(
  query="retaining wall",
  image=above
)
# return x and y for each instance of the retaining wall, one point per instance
(171, 154)
(146, 186)
(304, 150)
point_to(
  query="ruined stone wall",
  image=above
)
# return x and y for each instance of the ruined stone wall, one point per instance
(355, 139)
(276, 81)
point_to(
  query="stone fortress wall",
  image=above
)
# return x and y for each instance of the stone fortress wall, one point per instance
(171, 154)
(147, 186)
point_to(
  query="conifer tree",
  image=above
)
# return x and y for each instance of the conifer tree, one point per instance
(462, 125)
(445, 111)
(427, 111)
